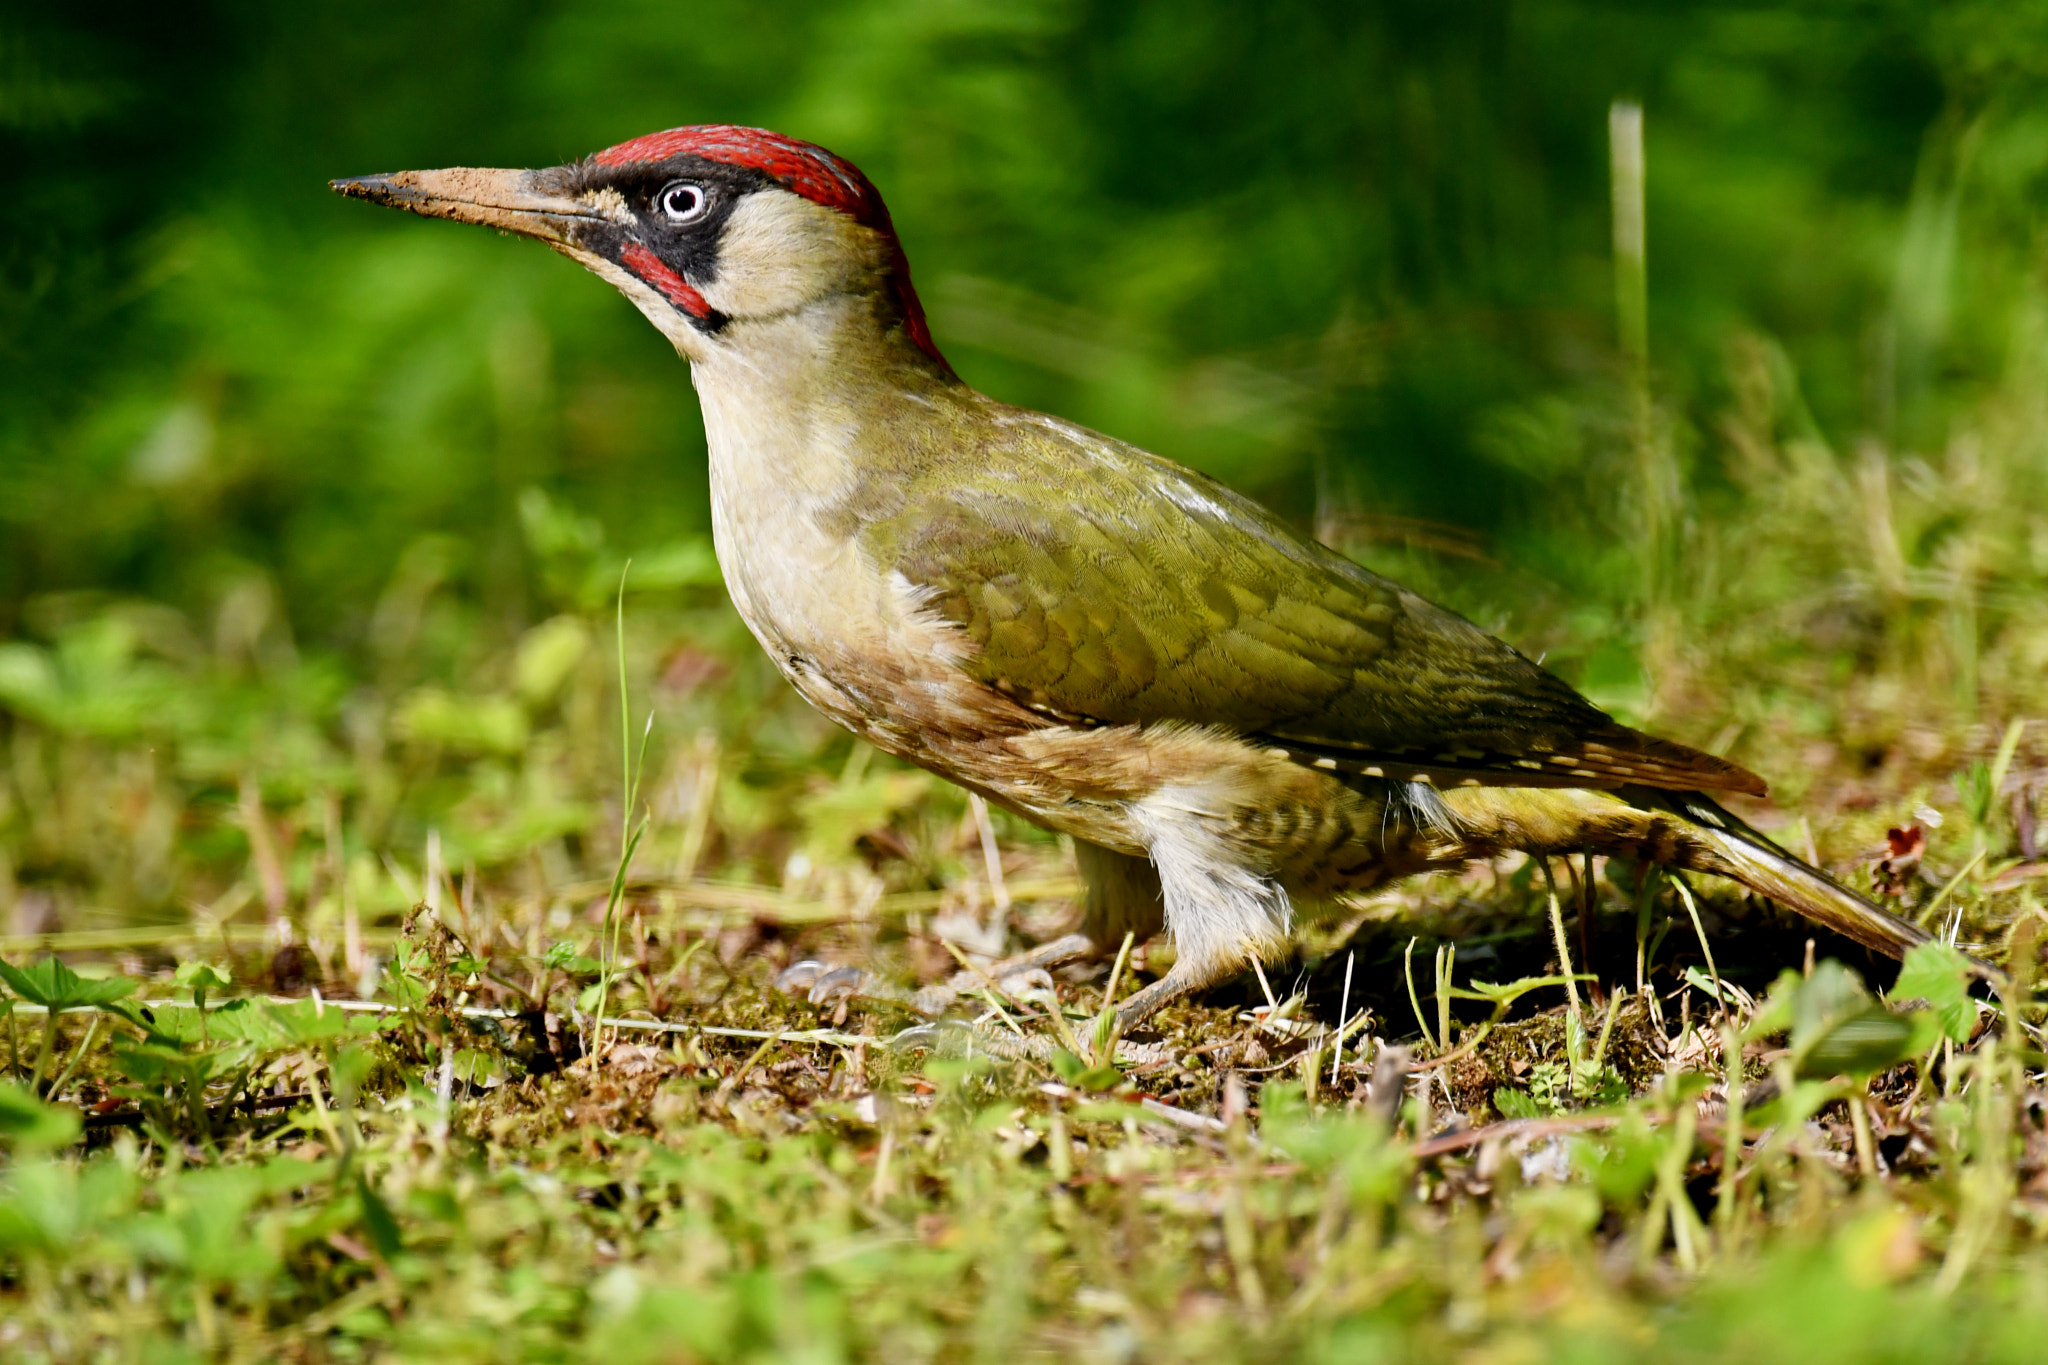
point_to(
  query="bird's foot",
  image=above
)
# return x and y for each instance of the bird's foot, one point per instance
(966, 1037)
(1027, 976)
(824, 985)
(1143, 1004)
(1023, 978)
(963, 1037)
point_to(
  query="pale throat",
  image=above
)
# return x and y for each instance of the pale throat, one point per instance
(791, 409)
(780, 414)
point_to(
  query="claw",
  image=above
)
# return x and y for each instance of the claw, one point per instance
(839, 982)
(957, 1037)
(1034, 985)
(799, 977)
(823, 984)
(942, 1036)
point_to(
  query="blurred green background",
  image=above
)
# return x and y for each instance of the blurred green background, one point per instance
(314, 510)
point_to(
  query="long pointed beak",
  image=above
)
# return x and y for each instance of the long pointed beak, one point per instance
(510, 200)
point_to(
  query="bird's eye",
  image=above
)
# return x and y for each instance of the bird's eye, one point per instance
(682, 202)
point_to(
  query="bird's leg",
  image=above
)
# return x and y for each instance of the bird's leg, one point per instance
(1074, 947)
(1142, 1005)
(1120, 894)
(1220, 908)
(1219, 913)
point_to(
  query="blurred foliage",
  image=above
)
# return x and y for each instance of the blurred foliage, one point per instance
(1353, 258)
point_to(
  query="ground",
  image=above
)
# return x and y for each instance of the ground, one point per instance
(474, 1170)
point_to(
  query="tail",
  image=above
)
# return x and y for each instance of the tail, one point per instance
(1722, 843)
(1682, 829)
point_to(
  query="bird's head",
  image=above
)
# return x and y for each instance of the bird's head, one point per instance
(706, 229)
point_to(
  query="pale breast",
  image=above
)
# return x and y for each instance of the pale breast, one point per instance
(856, 642)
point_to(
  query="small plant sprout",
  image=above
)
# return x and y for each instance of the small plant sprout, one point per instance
(201, 979)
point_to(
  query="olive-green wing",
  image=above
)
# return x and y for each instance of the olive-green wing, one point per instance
(1103, 585)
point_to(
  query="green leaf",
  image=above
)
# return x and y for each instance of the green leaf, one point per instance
(465, 724)
(1774, 1014)
(156, 1064)
(1940, 975)
(1104, 1040)
(1622, 1162)
(1836, 1028)
(565, 957)
(1973, 784)
(1707, 986)
(547, 655)
(1856, 1044)
(55, 986)
(1803, 1005)
(1107, 1111)
(688, 563)
(200, 976)
(377, 1221)
(1513, 1104)
(267, 1025)
(1082, 1076)
(27, 1123)
(592, 995)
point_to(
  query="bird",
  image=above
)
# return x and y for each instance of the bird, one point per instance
(1234, 723)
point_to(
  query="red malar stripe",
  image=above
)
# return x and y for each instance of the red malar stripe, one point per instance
(678, 290)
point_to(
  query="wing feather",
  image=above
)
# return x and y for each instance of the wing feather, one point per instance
(1099, 583)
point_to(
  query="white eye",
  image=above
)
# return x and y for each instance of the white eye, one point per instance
(682, 202)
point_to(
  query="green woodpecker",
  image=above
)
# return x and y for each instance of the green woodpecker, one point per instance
(1227, 717)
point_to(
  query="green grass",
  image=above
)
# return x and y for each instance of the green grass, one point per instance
(259, 1180)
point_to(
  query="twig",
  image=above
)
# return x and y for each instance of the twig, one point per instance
(129, 1118)
(148, 936)
(1185, 1118)
(1507, 1128)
